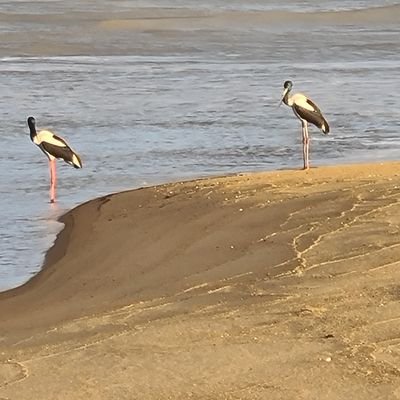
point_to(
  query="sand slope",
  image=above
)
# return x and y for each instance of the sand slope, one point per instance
(278, 285)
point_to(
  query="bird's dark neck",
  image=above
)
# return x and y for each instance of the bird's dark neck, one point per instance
(286, 98)
(32, 129)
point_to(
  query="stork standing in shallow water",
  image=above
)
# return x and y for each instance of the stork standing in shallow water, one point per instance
(307, 112)
(53, 147)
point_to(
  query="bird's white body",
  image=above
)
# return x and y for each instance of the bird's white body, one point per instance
(47, 136)
(301, 100)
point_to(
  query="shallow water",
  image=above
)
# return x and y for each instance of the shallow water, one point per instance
(196, 97)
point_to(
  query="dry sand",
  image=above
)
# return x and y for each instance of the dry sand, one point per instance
(275, 285)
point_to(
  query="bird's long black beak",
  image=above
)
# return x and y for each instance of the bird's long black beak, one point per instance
(283, 96)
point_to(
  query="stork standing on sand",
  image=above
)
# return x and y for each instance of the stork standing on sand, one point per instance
(53, 147)
(307, 112)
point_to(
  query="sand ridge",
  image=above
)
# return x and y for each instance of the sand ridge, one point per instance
(276, 285)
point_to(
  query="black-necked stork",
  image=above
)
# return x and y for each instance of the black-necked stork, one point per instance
(54, 147)
(307, 112)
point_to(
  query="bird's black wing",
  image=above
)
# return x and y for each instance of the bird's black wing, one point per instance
(314, 106)
(64, 153)
(313, 117)
(60, 139)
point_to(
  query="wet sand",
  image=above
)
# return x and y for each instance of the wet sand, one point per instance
(102, 30)
(280, 285)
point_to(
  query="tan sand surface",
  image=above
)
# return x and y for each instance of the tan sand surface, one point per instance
(281, 285)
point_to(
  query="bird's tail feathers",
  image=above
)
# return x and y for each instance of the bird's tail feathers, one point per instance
(325, 127)
(76, 161)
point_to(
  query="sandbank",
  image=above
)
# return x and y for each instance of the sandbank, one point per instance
(276, 285)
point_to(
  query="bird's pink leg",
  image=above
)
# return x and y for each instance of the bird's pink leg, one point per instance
(307, 146)
(53, 179)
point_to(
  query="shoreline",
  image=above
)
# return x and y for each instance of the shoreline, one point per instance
(203, 277)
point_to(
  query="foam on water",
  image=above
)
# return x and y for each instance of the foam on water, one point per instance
(144, 108)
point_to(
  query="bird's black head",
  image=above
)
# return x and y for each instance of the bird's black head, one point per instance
(288, 85)
(285, 95)
(31, 121)
(32, 128)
